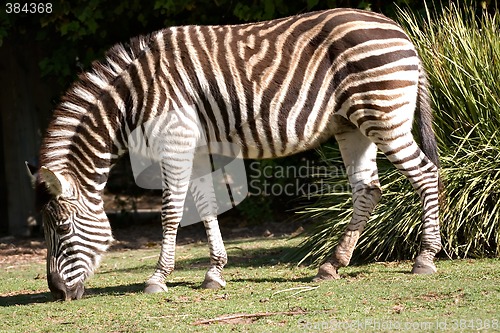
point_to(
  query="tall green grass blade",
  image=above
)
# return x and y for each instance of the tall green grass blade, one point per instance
(461, 53)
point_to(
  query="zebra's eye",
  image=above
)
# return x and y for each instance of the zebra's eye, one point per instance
(63, 229)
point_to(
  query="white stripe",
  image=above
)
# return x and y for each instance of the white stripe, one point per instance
(97, 80)
(84, 94)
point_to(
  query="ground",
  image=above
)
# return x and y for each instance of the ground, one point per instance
(264, 294)
(144, 234)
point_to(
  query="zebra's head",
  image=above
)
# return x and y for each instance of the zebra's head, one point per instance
(76, 229)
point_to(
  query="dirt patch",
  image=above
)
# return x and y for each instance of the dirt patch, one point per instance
(21, 251)
(144, 234)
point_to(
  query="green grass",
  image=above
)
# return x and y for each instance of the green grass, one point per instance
(259, 282)
(460, 49)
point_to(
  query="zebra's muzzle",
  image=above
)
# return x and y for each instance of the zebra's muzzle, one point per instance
(60, 291)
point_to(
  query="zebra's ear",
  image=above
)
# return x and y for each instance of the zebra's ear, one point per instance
(53, 182)
(32, 173)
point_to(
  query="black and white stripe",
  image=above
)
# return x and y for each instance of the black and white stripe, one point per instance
(273, 89)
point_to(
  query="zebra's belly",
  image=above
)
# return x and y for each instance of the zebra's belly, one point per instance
(265, 145)
(252, 151)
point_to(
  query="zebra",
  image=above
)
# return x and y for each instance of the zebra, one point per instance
(272, 88)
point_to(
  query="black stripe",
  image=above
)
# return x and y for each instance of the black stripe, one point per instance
(370, 86)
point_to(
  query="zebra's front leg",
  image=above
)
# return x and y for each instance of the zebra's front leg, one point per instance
(218, 256)
(171, 217)
(202, 188)
(176, 172)
(359, 156)
(166, 262)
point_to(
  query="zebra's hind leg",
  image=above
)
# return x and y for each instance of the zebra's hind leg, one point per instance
(359, 156)
(405, 154)
(218, 256)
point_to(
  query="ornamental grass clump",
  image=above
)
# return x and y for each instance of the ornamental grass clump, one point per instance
(461, 53)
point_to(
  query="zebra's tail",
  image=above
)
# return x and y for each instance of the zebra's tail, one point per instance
(428, 142)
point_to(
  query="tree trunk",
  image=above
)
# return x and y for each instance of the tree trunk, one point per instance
(25, 102)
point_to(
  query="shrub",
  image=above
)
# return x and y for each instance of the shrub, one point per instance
(461, 52)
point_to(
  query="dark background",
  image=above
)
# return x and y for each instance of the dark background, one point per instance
(42, 53)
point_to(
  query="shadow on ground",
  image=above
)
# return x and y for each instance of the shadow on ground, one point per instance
(242, 257)
(44, 297)
(238, 257)
(25, 299)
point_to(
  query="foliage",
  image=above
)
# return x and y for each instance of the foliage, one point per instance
(463, 61)
(461, 52)
(79, 31)
(258, 282)
(275, 186)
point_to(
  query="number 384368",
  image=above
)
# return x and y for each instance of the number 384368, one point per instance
(28, 8)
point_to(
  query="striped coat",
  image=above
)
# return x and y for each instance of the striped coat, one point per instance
(272, 89)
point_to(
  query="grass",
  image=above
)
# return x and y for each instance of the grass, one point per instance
(264, 294)
(460, 49)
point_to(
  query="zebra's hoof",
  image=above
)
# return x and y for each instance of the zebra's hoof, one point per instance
(423, 267)
(326, 272)
(154, 288)
(213, 282)
(211, 285)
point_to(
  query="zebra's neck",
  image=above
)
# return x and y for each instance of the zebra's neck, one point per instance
(89, 127)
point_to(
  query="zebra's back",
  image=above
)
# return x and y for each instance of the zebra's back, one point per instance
(273, 87)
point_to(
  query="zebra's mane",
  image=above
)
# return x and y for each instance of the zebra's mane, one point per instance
(81, 98)
(102, 73)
